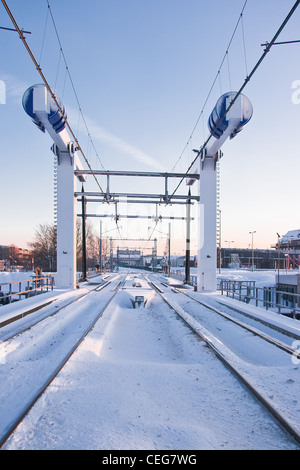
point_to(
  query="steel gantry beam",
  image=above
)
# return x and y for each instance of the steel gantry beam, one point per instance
(153, 174)
(137, 201)
(118, 217)
(108, 196)
(162, 198)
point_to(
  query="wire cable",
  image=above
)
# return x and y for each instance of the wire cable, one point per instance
(43, 40)
(213, 84)
(244, 44)
(50, 90)
(72, 83)
(247, 79)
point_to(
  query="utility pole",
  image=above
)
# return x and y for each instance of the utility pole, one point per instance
(154, 254)
(84, 277)
(278, 262)
(254, 231)
(169, 256)
(100, 249)
(188, 239)
(111, 256)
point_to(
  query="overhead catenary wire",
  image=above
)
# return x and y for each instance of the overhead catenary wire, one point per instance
(150, 236)
(246, 81)
(72, 82)
(214, 82)
(49, 90)
(44, 35)
(244, 44)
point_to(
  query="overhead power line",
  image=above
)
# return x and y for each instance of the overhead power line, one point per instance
(72, 83)
(214, 81)
(247, 79)
(49, 89)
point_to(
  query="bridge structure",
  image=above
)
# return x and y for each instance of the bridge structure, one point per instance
(231, 113)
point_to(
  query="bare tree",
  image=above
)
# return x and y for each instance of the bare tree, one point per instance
(92, 245)
(44, 247)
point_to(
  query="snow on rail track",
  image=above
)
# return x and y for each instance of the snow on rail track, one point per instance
(142, 380)
(259, 366)
(33, 357)
(16, 324)
(138, 290)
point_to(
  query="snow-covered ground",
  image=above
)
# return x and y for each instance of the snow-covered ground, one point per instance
(262, 278)
(141, 380)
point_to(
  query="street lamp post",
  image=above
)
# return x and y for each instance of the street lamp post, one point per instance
(278, 262)
(252, 233)
(228, 241)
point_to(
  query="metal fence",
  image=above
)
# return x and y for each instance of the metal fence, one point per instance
(270, 298)
(16, 290)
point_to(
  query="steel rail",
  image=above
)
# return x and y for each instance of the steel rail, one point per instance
(255, 331)
(51, 314)
(263, 400)
(52, 376)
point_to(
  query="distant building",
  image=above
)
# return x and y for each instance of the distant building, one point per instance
(290, 241)
(236, 258)
(4, 252)
(13, 257)
(127, 257)
(289, 246)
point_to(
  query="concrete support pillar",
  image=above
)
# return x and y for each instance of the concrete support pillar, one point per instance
(66, 222)
(44, 112)
(207, 253)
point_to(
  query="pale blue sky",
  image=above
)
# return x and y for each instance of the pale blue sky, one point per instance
(142, 70)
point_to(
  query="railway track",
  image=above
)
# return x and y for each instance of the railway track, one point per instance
(221, 352)
(7, 336)
(279, 344)
(224, 354)
(18, 414)
(41, 307)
